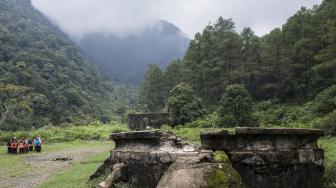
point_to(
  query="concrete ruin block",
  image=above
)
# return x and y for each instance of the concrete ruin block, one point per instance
(274, 158)
(137, 122)
(158, 159)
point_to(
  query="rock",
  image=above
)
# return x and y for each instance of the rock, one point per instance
(117, 175)
(259, 158)
(181, 176)
(148, 121)
(272, 157)
(149, 156)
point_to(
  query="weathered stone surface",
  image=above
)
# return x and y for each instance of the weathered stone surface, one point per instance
(150, 120)
(272, 157)
(202, 174)
(117, 175)
(150, 155)
(263, 158)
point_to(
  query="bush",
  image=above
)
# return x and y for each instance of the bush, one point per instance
(328, 122)
(236, 106)
(105, 119)
(183, 105)
(210, 121)
(329, 146)
(325, 102)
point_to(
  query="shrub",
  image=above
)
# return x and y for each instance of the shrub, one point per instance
(325, 102)
(236, 106)
(328, 122)
(183, 105)
(105, 119)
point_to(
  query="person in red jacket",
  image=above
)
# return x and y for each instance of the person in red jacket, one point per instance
(14, 146)
(21, 147)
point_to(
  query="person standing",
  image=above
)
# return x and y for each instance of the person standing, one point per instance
(30, 145)
(9, 148)
(40, 140)
(14, 146)
(37, 144)
(21, 147)
(26, 150)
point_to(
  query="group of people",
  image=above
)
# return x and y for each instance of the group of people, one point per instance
(23, 145)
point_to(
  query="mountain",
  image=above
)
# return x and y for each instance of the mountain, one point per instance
(125, 57)
(44, 78)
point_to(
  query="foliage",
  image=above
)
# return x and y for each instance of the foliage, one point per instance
(105, 119)
(152, 91)
(224, 177)
(69, 133)
(236, 103)
(328, 122)
(63, 87)
(290, 65)
(325, 102)
(209, 121)
(220, 156)
(183, 105)
(329, 145)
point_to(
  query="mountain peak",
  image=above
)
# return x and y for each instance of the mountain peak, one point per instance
(125, 57)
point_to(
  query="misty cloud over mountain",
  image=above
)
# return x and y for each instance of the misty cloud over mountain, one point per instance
(77, 17)
(125, 57)
(121, 37)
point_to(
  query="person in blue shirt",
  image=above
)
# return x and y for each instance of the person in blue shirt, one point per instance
(37, 143)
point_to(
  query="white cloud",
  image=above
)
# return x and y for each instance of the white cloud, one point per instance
(78, 17)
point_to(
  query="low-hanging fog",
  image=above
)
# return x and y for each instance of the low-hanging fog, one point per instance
(77, 17)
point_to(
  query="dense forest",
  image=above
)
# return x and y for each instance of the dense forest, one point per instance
(44, 78)
(284, 78)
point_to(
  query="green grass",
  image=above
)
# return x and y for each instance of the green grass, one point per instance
(12, 165)
(16, 165)
(66, 134)
(77, 175)
(329, 146)
(191, 135)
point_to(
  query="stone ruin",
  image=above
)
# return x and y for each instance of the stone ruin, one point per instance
(139, 122)
(263, 158)
(274, 158)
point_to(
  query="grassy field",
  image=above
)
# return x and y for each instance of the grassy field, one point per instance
(77, 175)
(15, 166)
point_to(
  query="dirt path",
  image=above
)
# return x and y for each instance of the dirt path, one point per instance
(45, 165)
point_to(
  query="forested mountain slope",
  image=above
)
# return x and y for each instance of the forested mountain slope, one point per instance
(125, 56)
(293, 66)
(44, 78)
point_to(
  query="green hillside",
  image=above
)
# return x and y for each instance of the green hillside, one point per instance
(44, 78)
(289, 74)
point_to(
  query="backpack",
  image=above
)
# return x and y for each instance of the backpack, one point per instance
(37, 142)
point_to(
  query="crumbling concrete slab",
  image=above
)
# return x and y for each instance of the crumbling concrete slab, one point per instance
(272, 157)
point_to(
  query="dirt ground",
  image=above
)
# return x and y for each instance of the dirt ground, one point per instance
(45, 166)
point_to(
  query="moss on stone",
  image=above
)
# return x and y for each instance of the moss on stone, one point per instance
(224, 177)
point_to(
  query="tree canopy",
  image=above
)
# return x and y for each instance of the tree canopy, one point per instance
(63, 86)
(291, 64)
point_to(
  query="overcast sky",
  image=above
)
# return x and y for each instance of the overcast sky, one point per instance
(77, 17)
